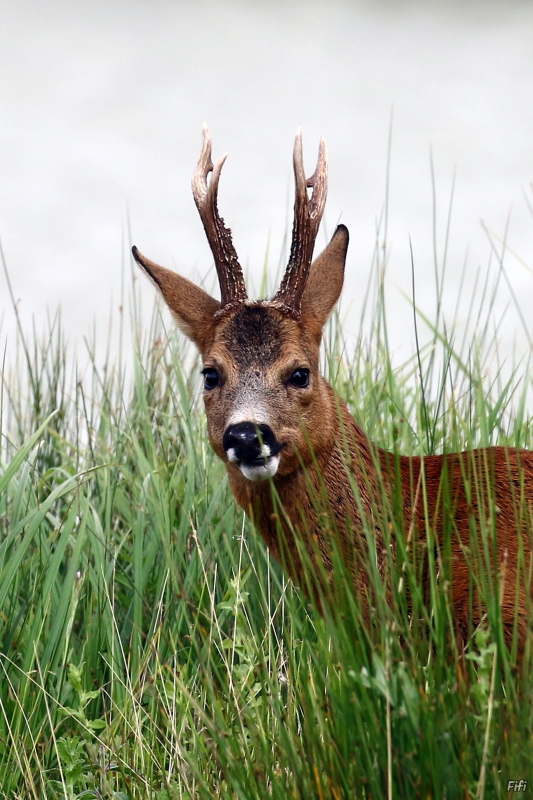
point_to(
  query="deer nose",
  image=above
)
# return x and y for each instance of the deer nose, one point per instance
(250, 443)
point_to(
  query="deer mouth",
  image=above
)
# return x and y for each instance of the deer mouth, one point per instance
(260, 468)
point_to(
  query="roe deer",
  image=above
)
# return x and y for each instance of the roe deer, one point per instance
(270, 415)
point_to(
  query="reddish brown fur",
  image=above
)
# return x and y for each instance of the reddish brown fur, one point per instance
(255, 347)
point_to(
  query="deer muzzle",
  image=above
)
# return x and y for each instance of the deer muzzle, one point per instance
(254, 449)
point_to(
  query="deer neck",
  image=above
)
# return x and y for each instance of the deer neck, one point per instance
(335, 494)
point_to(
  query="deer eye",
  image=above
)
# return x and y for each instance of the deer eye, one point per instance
(300, 378)
(210, 378)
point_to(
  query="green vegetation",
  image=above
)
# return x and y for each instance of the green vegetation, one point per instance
(150, 648)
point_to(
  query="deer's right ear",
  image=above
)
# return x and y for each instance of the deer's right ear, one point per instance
(192, 308)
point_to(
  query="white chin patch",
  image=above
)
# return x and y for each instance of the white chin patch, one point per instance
(262, 472)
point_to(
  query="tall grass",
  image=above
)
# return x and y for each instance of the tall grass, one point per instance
(151, 648)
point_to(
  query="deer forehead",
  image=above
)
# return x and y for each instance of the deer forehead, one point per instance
(256, 338)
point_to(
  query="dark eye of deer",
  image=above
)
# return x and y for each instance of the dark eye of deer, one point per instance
(210, 378)
(300, 378)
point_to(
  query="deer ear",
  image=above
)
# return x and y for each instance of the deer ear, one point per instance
(192, 308)
(325, 279)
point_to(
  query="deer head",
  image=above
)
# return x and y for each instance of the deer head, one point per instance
(264, 399)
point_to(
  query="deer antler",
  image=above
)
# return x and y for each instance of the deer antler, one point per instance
(307, 217)
(230, 277)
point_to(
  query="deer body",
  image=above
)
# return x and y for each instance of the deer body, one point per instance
(287, 439)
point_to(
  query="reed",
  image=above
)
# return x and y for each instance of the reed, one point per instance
(150, 646)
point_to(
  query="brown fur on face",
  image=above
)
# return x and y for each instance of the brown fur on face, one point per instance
(255, 349)
(447, 500)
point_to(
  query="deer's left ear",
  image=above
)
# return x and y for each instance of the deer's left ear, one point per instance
(325, 279)
(193, 309)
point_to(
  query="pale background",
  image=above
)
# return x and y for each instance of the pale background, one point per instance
(101, 107)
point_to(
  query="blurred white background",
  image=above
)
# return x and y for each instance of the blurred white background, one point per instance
(101, 108)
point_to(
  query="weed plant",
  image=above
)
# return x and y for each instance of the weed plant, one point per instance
(151, 648)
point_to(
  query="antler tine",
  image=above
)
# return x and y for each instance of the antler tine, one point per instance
(307, 217)
(230, 277)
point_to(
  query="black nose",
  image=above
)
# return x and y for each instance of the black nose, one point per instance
(246, 440)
